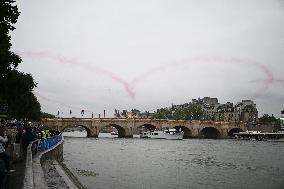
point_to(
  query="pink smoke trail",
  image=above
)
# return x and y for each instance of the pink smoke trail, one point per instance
(129, 86)
(64, 60)
(269, 78)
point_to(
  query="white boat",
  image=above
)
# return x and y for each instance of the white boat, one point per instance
(171, 134)
(114, 133)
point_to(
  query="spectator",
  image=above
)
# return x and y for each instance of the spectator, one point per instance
(2, 173)
(3, 155)
(20, 134)
(28, 137)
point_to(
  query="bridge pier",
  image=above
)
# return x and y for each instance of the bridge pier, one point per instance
(195, 132)
(92, 136)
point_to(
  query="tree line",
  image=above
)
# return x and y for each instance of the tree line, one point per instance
(16, 87)
(187, 111)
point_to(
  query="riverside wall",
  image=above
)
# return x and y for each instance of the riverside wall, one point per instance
(34, 174)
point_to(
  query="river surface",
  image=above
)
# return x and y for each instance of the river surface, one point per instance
(117, 163)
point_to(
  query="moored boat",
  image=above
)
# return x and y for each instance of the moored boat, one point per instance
(257, 135)
(114, 133)
(171, 134)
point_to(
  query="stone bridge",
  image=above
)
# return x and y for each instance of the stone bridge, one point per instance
(128, 127)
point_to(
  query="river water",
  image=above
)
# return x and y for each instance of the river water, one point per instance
(165, 164)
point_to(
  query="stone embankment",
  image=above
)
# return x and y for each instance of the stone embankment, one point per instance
(43, 169)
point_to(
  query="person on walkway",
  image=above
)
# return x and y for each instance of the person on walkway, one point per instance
(3, 155)
(28, 137)
(2, 174)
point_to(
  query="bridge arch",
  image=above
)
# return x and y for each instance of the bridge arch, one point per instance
(186, 130)
(210, 132)
(121, 130)
(144, 127)
(88, 130)
(147, 126)
(234, 130)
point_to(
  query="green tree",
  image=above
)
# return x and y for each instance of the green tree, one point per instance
(163, 113)
(16, 88)
(9, 15)
(268, 119)
(47, 115)
(188, 112)
(159, 115)
(179, 114)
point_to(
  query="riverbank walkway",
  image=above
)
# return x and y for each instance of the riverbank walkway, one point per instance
(16, 180)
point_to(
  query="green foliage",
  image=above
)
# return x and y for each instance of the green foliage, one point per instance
(159, 115)
(281, 121)
(47, 115)
(8, 16)
(15, 87)
(268, 119)
(163, 113)
(186, 111)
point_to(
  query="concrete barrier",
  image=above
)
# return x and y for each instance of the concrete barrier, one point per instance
(34, 176)
(28, 180)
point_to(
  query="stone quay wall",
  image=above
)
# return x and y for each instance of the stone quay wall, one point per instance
(34, 175)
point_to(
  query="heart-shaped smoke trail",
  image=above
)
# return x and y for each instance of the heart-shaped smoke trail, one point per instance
(130, 86)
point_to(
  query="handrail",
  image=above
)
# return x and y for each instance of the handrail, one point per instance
(34, 147)
(46, 143)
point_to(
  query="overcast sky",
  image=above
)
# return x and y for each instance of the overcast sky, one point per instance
(111, 54)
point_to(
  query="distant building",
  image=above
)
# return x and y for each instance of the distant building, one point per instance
(282, 120)
(226, 112)
(247, 111)
(208, 105)
(244, 111)
(210, 101)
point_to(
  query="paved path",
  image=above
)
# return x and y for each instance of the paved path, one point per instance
(15, 180)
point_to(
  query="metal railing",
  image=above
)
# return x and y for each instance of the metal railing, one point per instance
(34, 147)
(41, 145)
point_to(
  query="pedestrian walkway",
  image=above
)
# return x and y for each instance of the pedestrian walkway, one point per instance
(15, 180)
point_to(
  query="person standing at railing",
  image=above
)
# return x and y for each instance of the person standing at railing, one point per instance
(46, 133)
(28, 137)
(20, 134)
(42, 134)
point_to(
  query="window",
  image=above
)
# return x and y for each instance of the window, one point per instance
(155, 133)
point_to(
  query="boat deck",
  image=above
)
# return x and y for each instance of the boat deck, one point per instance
(259, 135)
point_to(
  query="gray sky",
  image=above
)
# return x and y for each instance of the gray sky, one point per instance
(97, 55)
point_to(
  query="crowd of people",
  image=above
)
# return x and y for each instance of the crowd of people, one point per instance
(15, 137)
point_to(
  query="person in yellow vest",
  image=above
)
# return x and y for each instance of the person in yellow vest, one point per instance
(48, 133)
(43, 134)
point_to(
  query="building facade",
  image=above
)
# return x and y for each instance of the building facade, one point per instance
(244, 111)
